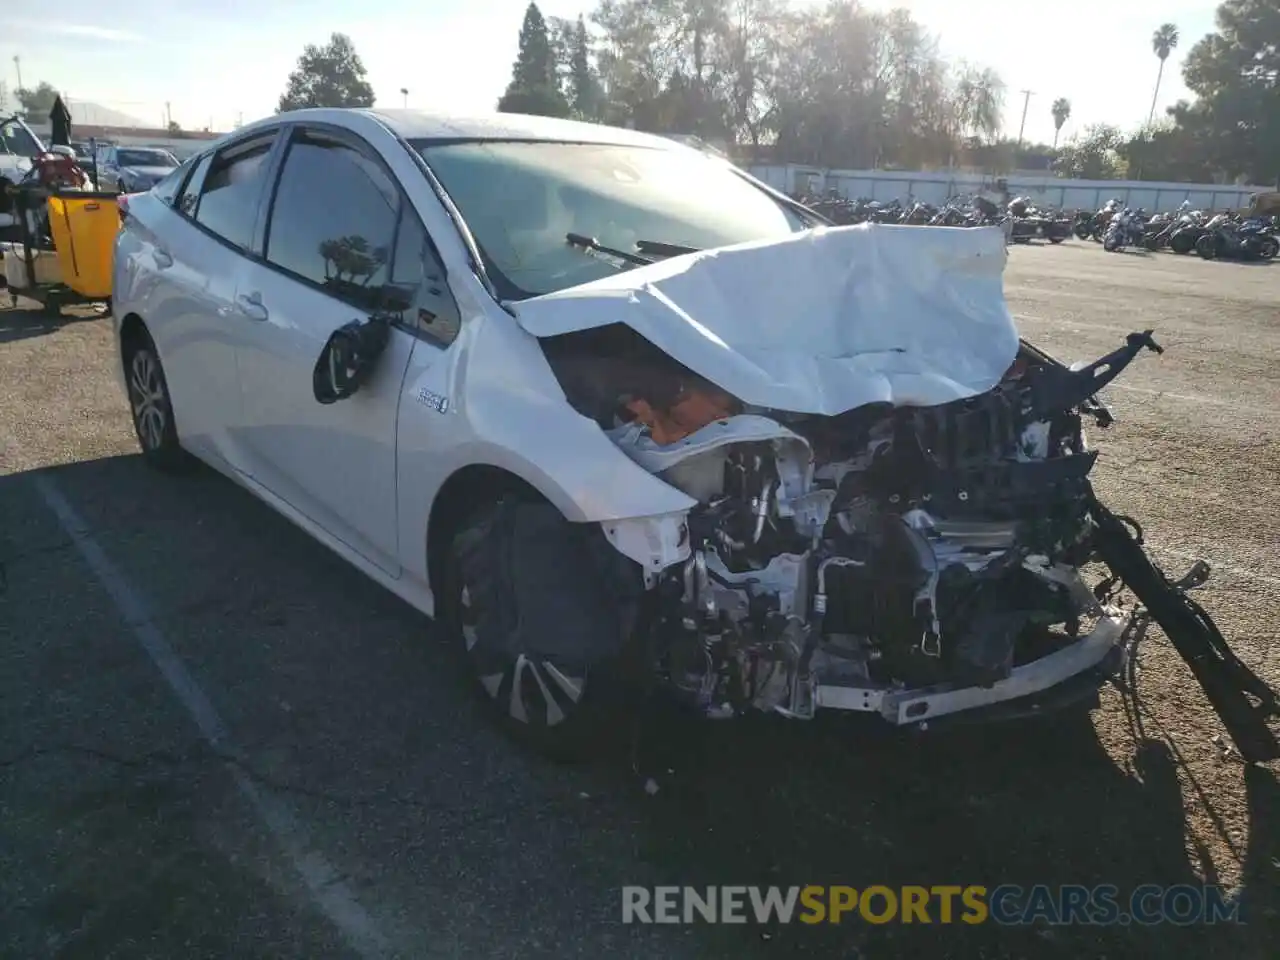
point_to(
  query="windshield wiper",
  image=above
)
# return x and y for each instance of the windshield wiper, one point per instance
(590, 243)
(665, 249)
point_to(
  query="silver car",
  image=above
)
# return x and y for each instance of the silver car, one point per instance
(133, 169)
(623, 418)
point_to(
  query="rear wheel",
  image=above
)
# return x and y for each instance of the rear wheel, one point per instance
(151, 407)
(531, 604)
(1268, 248)
(1207, 247)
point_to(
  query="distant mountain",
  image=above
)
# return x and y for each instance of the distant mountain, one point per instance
(95, 115)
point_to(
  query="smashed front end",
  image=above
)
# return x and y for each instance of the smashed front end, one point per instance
(912, 560)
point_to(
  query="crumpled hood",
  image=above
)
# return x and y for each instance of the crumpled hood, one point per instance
(816, 322)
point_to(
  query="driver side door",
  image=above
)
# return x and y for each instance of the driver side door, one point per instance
(327, 258)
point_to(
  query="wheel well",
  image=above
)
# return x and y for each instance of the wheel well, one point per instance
(132, 331)
(462, 494)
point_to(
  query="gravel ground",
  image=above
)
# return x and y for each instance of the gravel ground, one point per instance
(125, 833)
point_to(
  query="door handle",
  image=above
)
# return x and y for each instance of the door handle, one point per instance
(251, 305)
(163, 258)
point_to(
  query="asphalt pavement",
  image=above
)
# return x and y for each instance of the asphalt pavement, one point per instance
(219, 740)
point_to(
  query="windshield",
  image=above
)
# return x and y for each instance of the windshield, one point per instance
(14, 138)
(522, 200)
(145, 158)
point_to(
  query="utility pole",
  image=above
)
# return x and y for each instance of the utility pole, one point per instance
(168, 115)
(405, 92)
(17, 65)
(1027, 101)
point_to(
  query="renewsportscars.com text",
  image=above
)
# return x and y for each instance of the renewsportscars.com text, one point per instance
(1007, 904)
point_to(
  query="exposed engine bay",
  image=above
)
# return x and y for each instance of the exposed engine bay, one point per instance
(911, 561)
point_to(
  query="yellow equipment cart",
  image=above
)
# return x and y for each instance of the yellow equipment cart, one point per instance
(64, 257)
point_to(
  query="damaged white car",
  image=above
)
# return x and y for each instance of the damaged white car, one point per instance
(615, 411)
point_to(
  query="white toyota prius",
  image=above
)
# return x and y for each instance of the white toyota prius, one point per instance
(622, 417)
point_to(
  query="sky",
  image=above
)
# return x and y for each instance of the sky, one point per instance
(214, 62)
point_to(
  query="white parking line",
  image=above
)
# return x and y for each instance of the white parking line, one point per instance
(330, 893)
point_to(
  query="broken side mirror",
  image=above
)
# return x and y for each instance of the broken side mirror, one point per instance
(348, 359)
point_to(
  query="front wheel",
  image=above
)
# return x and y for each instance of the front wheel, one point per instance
(1268, 248)
(1207, 247)
(531, 602)
(151, 407)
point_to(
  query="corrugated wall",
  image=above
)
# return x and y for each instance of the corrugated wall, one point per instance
(936, 187)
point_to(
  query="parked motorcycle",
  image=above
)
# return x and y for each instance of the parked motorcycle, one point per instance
(1124, 229)
(1225, 237)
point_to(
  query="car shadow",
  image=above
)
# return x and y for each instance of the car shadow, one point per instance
(840, 799)
(19, 323)
(847, 802)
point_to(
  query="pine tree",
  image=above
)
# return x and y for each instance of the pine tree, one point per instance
(584, 85)
(534, 88)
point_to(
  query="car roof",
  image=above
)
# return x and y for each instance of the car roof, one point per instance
(424, 125)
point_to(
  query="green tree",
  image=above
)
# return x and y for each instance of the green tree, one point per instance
(328, 76)
(1061, 114)
(980, 102)
(584, 92)
(535, 81)
(1093, 156)
(1163, 42)
(37, 103)
(1235, 75)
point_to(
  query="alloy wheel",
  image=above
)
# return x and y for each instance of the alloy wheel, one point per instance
(148, 399)
(533, 691)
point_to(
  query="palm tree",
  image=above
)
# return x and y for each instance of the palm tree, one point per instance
(1061, 113)
(1163, 42)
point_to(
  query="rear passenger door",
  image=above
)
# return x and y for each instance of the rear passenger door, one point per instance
(199, 261)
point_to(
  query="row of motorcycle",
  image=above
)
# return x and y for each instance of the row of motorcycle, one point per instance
(1213, 236)
(1021, 218)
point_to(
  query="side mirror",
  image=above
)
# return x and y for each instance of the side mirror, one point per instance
(348, 359)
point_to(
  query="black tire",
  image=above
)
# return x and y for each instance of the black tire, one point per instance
(150, 407)
(1207, 247)
(1056, 240)
(538, 610)
(1268, 248)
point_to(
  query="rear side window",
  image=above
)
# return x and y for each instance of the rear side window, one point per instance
(167, 188)
(232, 191)
(333, 221)
(190, 196)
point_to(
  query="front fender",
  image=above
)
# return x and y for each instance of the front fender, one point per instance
(491, 399)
